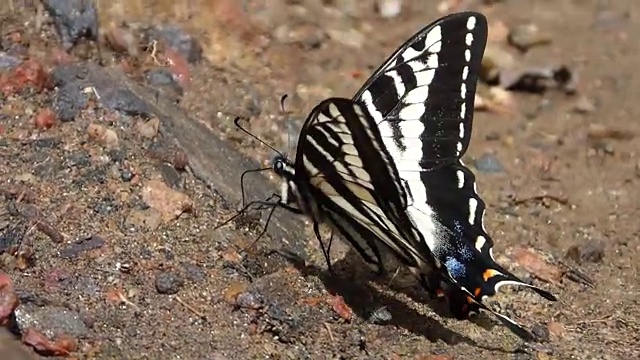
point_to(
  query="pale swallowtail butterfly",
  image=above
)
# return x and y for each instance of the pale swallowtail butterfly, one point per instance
(385, 170)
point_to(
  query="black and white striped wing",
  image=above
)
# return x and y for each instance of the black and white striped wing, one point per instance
(422, 100)
(343, 167)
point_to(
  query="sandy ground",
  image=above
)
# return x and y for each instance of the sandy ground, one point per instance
(180, 289)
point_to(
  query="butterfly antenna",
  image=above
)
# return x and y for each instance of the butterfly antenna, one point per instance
(237, 120)
(284, 112)
(282, 100)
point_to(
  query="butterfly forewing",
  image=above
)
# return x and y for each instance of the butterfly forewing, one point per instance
(422, 97)
(343, 163)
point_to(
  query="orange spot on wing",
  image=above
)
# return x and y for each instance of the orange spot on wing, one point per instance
(477, 292)
(488, 274)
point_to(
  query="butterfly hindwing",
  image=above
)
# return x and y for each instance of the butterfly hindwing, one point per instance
(465, 247)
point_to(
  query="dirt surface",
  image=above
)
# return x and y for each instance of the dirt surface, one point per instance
(109, 241)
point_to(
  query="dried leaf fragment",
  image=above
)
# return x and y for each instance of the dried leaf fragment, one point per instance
(539, 268)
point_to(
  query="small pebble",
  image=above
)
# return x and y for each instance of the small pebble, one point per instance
(91, 243)
(78, 159)
(488, 163)
(540, 332)
(248, 300)
(389, 8)
(526, 36)
(556, 330)
(117, 155)
(45, 119)
(168, 283)
(148, 129)
(105, 207)
(380, 315)
(47, 143)
(126, 175)
(584, 105)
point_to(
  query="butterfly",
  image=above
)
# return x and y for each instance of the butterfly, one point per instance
(384, 169)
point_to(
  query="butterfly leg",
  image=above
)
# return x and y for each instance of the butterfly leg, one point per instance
(459, 304)
(431, 283)
(325, 250)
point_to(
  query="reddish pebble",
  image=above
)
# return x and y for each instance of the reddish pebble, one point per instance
(556, 330)
(45, 119)
(29, 73)
(340, 307)
(62, 346)
(8, 298)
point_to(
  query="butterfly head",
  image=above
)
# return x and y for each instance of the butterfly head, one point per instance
(285, 169)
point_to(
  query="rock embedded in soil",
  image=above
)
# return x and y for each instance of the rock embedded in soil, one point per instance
(73, 20)
(250, 300)
(117, 155)
(73, 79)
(103, 135)
(68, 101)
(45, 119)
(148, 129)
(168, 283)
(79, 158)
(149, 219)
(584, 105)
(29, 74)
(170, 203)
(50, 320)
(163, 80)
(91, 243)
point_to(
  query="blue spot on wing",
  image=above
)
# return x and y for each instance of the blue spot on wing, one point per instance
(460, 255)
(455, 267)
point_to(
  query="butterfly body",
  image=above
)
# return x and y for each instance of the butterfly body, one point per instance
(384, 169)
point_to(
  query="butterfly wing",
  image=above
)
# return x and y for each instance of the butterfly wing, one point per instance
(422, 99)
(343, 167)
